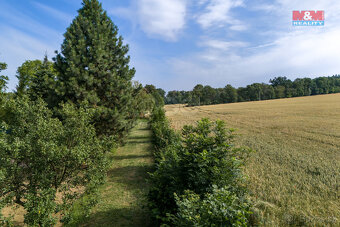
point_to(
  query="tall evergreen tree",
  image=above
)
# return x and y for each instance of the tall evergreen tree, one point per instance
(93, 67)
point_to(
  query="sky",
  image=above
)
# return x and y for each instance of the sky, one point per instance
(176, 44)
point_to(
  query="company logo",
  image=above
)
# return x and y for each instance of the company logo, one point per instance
(308, 18)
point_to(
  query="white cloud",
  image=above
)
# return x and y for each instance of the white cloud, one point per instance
(162, 18)
(298, 54)
(238, 27)
(265, 7)
(222, 45)
(217, 13)
(202, 2)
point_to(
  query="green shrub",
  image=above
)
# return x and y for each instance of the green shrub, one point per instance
(42, 158)
(221, 207)
(163, 136)
(208, 157)
(203, 157)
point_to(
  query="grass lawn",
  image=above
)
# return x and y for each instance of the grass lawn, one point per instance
(123, 197)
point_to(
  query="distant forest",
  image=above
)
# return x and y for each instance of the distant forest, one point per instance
(279, 87)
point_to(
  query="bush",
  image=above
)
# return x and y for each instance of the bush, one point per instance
(221, 207)
(208, 157)
(42, 158)
(203, 158)
(163, 136)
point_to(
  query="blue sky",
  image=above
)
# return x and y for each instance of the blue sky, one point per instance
(176, 44)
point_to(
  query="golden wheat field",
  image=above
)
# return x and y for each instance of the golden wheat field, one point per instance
(294, 172)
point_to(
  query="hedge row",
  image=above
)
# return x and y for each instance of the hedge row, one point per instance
(198, 179)
(47, 163)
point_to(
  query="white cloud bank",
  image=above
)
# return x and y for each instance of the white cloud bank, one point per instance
(162, 18)
(217, 13)
(221, 45)
(299, 54)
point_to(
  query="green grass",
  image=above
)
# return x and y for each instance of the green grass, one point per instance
(123, 200)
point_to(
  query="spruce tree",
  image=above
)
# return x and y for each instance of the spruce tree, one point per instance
(93, 67)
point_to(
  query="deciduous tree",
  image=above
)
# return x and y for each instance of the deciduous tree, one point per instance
(42, 85)
(42, 157)
(3, 79)
(25, 74)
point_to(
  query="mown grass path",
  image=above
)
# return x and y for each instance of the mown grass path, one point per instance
(123, 197)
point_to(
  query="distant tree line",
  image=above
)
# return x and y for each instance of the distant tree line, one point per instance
(279, 87)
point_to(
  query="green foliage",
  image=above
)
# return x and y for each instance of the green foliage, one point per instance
(163, 136)
(229, 94)
(161, 92)
(37, 79)
(26, 73)
(197, 94)
(203, 158)
(159, 101)
(43, 84)
(209, 158)
(42, 158)
(3, 79)
(143, 102)
(93, 67)
(174, 97)
(218, 208)
(40, 207)
(157, 94)
(3, 82)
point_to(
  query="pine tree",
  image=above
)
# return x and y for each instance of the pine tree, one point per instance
(93, 67)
